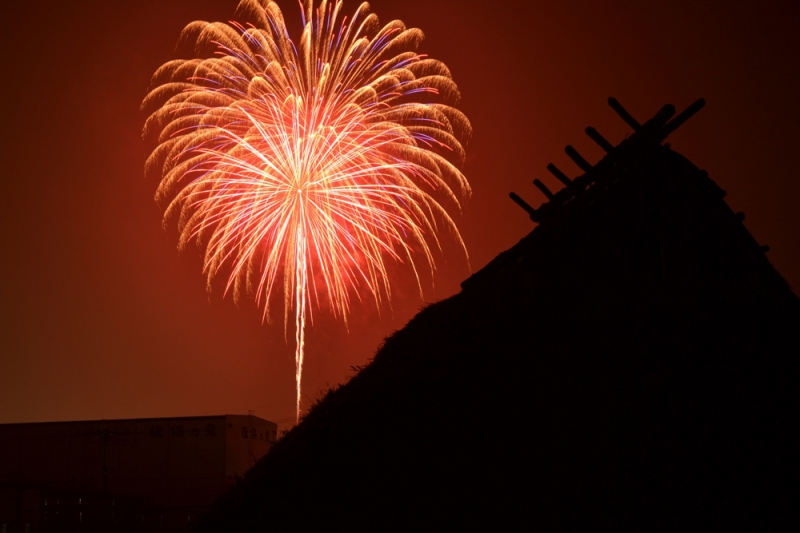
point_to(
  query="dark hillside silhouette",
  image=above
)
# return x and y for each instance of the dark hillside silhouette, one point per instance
(630, 364)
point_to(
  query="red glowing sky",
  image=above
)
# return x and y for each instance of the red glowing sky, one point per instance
(102, 318)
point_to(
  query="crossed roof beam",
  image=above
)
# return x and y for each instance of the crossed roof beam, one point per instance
(654, 131)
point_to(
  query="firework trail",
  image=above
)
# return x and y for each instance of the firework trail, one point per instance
(302, 169)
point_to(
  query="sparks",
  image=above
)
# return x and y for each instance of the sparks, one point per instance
(302, 170)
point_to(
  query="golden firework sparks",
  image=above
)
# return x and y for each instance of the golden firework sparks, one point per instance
(302, 170)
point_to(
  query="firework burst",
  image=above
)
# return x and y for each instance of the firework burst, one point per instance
(301, 170)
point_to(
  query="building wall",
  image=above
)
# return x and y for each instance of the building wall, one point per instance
(248, 439)
(142, 469)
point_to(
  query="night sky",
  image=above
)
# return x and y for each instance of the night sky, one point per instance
(103, 318)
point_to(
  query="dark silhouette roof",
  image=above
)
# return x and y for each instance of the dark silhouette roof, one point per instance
(629, 364)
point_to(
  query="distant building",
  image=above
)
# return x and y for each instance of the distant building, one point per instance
(149, 474)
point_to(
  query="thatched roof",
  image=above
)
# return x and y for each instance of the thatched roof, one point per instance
(631, 363)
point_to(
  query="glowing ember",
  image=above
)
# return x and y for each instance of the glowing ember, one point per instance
(309, 165)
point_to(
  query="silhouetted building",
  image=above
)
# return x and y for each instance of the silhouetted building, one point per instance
(150, 474)
(635, 357)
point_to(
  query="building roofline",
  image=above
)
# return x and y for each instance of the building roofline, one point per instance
(146, 419)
